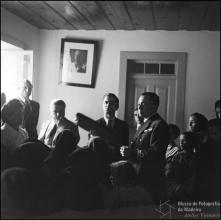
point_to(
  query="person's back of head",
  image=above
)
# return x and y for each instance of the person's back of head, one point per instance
(123, 174)
(12, 113)
(17, 197)
(30, 155)
(99, 146)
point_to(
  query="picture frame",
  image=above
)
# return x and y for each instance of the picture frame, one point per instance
(78, 62)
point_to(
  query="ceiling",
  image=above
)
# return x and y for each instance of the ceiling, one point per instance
(118, 15)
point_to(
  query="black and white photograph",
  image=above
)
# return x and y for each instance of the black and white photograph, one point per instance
(78, 62)
(110, 109)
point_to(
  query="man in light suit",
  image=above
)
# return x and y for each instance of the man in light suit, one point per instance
(118, 129)
(58, 123)
(31, 110)
(148, 147)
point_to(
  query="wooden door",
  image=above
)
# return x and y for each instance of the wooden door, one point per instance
(161, 72)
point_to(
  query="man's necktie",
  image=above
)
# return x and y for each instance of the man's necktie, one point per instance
(51, 135)
(109, 124)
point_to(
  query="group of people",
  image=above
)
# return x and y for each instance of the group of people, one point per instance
(47, 172)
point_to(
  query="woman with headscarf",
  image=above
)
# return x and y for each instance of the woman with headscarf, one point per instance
(207, 184)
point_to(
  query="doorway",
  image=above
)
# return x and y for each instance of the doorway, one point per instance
(16, 65)
(161, 72)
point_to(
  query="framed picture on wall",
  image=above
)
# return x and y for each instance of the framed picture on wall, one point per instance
(78, 62)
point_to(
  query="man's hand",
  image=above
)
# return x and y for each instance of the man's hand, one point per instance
(125, 151)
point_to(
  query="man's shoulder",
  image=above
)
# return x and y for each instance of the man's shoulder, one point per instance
(69, 124)
(121, 122)
(34, 103)
(101, 120)
(158, 119)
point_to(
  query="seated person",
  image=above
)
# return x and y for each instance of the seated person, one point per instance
(30, 155)
(51, 128)
(125, 191)
(102, 155)
(180, 170)
(207, 152)
(119, 129)
(12, 135)
(174, 134)
(83, 173)
(198, 125)
(214, 124)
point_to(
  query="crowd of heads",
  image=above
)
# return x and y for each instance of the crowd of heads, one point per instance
(75, 173)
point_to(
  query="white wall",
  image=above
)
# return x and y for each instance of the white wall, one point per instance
(20, 33)
(203, 68)
(203, 64)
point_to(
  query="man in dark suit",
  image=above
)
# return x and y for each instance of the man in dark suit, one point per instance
(148, 147)
(31, 110)
(118, 129)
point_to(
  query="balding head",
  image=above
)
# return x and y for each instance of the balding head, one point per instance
(25, 89)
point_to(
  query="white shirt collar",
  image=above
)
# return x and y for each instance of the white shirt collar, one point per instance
(24, 100)
(112, 120)
(146, 119)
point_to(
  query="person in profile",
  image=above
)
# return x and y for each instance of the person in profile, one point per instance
(78, 61)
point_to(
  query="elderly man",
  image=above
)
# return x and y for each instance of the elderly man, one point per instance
(51, 128)
(148, 148)
(31, 110)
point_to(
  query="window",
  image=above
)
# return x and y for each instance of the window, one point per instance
(16, 65)
(151, 67)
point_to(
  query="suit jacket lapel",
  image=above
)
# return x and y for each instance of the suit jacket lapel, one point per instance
(49, 127)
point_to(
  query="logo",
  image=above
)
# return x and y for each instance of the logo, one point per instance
(165, 209)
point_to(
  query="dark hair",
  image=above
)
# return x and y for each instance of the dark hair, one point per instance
(58, 102)
(30, 155)
(18, 194)
(113, 96)
(174, 130)
(202, 121)
(8, 109)
(123, 171)
(153, 97)
(217, 104)
(189, 136)
(99, 146)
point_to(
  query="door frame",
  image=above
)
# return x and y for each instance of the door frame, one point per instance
(180, 57)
